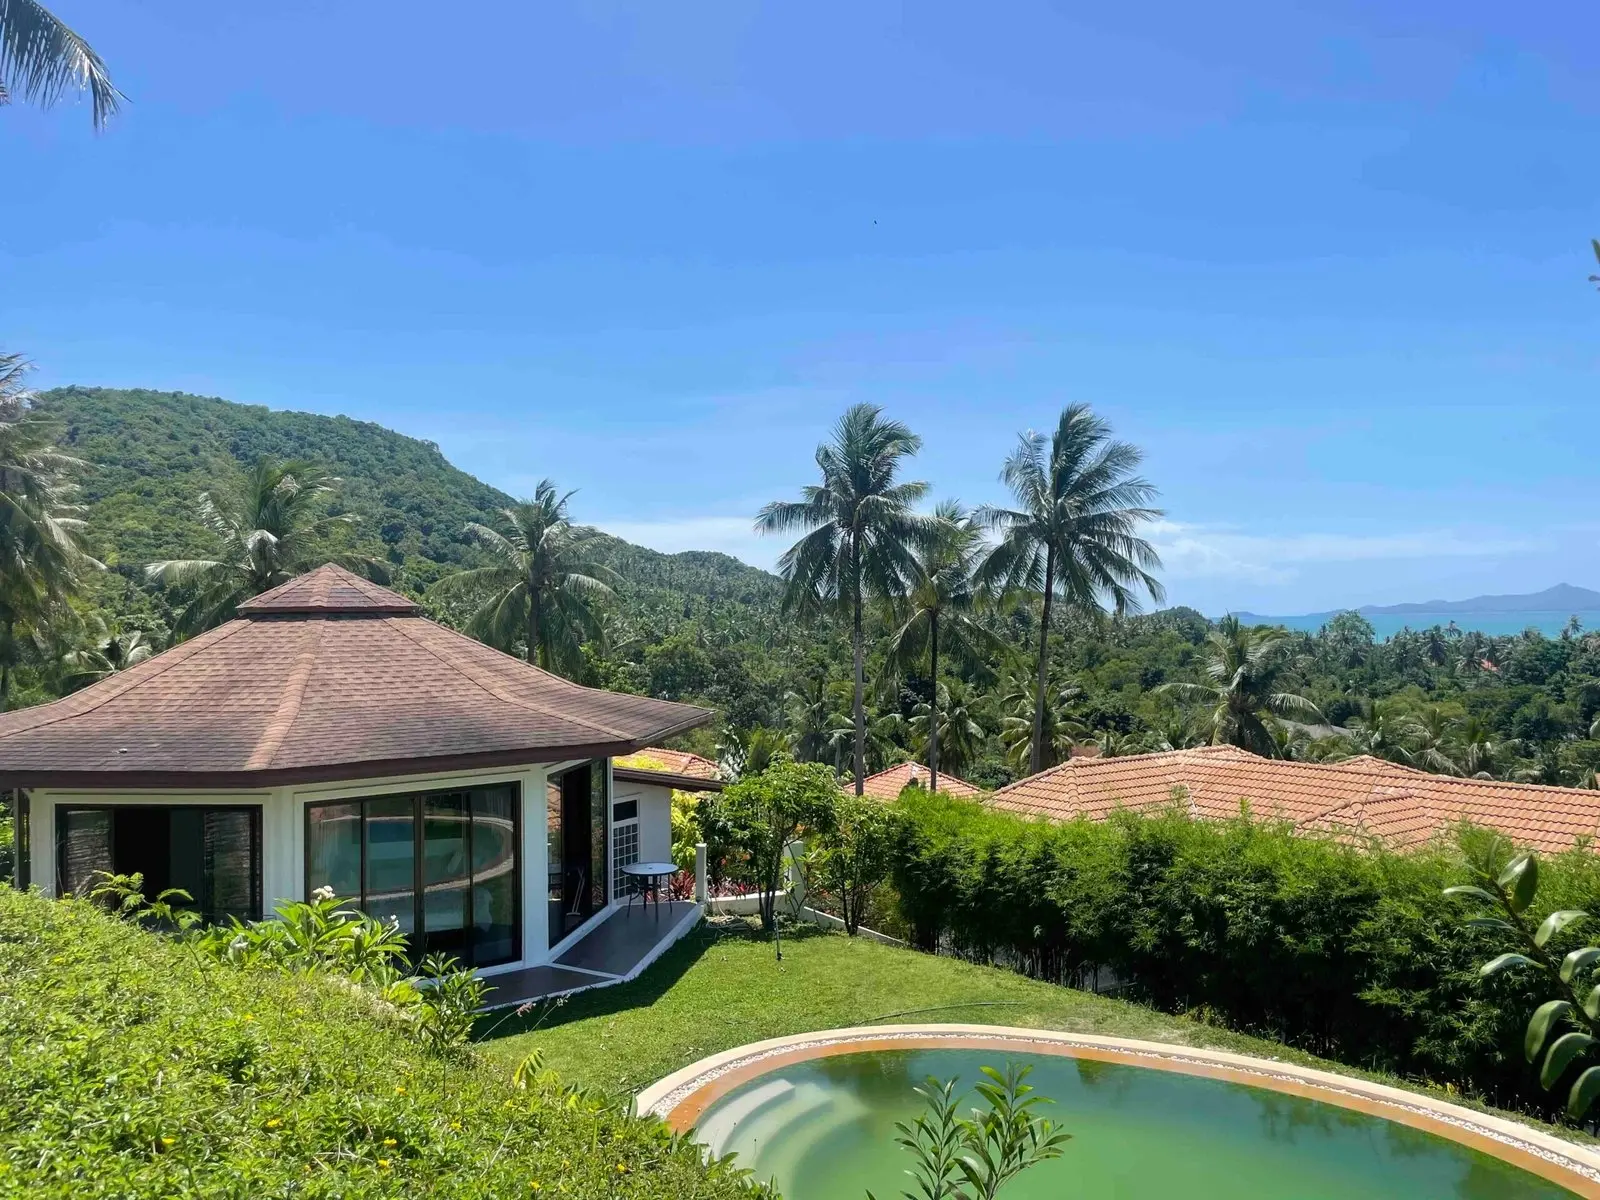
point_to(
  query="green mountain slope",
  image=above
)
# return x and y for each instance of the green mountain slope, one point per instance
(150, 454)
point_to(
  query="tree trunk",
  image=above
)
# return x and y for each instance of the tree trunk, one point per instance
(860, 708)
(535, 651)
(5, 666)
(1036, 754)
(933, 709)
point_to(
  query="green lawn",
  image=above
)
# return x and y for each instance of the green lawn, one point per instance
(721, 987)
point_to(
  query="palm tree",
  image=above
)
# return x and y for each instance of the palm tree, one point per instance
(111, 651)
(271, 524)
(941, 601)
(810, 717)
(949, 721)
(1481, 751)
(1059, 732)
(41, 538)
(1432, 736)
(1074, 532)
(1247, 669)
(1383, 730)
(40, 58)
(861, 530)
(542, 588)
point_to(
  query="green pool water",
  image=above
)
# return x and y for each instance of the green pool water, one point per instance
(823, 1130)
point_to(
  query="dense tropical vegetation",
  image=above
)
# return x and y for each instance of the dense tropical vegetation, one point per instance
(95, 476)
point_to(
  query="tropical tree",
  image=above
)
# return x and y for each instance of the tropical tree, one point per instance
(1383, 730)
(939, 610)
(543, 587)
(861, 531)
(1248, 670)
(742, 752)
(1057, 734)
(809, 712)
(40, 58)
(1074, 535)
(272, 524)
(950, 720)
(42, 555)
(1433, 741)
(109, 651)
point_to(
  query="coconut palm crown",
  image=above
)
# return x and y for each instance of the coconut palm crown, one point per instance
(861, 528)
(41, 58)
(542, 588)
(1248, 670)
(1074, 534)
(272, 525)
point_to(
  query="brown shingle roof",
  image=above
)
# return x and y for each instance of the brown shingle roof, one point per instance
(329, 589)
(324, 681)
(1363, 796)
(886, 785)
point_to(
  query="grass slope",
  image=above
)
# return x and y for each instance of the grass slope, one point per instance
(129, 1068)
(721, 987)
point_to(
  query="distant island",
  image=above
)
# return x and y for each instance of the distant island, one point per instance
(1547, 611)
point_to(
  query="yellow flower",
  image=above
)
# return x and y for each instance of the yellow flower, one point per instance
(383, 1163)
(390, 1142)
(533, 1185)
(399, 1089)
(248, 1017)
(167, 1141)
(622, 1168)
(456, 1125)
(274, 1123)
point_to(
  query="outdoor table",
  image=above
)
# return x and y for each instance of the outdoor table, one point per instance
(650, 876)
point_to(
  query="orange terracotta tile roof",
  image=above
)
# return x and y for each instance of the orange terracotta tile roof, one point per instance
(887, 785)
(1359, 797)
(674, 768)
(327, 677)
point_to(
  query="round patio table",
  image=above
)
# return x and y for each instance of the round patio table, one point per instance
(650, 876)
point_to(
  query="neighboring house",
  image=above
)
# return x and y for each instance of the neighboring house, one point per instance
(1360, 797)
(331, 736)
(886, 785)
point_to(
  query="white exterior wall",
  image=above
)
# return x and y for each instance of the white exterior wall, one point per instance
(283, 832)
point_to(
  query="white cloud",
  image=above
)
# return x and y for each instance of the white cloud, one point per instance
(1199, 551)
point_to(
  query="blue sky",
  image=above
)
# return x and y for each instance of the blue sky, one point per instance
(1325, 262)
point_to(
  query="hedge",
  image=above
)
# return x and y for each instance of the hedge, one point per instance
(1346, 951)
(132, 1067)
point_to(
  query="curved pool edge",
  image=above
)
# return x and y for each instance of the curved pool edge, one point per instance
(683, 1096)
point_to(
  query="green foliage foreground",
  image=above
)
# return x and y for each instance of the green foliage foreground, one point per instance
(133, 1067)
(1348, 952)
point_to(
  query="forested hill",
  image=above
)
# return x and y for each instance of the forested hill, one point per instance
(151, 454)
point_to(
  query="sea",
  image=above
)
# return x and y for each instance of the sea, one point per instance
(1387, 624)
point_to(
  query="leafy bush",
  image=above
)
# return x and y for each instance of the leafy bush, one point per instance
(851, 859)
(761, 814)
(136, 1066)
(1350, 952)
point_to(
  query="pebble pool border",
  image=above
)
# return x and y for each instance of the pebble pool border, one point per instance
(1043, 1041)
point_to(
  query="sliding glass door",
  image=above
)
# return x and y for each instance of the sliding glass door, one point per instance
(212, 853)
(577, 818)
(445, 865)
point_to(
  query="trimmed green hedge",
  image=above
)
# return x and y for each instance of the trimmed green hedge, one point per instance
(1348, 952)
(132, 1067)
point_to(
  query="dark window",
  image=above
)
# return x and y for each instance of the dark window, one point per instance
(446, 865)
(212, 853)
(576, 807)
(625, 810)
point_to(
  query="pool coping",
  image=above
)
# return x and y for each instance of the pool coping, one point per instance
(683, 1096)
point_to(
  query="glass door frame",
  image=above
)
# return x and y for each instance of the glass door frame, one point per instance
(257, 839)
(418, 798)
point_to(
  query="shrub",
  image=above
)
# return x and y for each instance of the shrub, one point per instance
(135, 1066)
(851, 858)
(1346, 951)
(761, 814)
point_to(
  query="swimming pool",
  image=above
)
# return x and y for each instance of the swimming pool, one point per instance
(817, 1117)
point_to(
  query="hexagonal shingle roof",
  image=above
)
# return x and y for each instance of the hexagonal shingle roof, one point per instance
(326, 677)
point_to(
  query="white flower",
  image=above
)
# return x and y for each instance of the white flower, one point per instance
(239, 945)
(322, 893)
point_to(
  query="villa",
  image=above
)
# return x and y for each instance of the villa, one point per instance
(1362, 797)
(887, 785)
(332, 736)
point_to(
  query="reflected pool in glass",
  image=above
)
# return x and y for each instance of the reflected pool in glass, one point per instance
(824, 1130)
